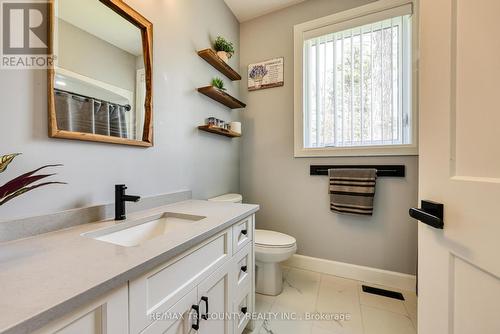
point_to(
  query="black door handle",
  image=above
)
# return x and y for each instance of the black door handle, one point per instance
(205, 316)
(244, 310)
(196, 326)
(431, 214)
(244, 269)
(244, 232)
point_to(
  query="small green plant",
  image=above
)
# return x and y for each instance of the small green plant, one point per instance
(222, 45)
(218, 83)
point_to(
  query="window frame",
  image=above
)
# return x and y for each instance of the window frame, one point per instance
(338, 22)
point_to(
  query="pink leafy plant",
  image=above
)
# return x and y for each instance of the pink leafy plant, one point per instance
(23, 183)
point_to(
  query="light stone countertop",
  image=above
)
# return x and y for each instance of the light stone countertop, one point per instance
(44, 277)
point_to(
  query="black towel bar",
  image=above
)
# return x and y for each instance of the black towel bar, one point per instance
(382, 170)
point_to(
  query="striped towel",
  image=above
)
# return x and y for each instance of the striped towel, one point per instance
(352, 190)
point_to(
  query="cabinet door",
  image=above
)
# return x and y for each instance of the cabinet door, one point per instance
(177, 320)
(216, 292)
(109, 314)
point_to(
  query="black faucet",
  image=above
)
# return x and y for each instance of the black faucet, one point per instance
(120, 199)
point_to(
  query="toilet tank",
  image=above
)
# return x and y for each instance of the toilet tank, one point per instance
(231, 198)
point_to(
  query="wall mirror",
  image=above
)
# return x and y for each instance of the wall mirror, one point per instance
(100, 86)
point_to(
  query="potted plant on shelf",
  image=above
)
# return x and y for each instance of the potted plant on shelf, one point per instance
(218, 83)
(257, 74)
(224, 49)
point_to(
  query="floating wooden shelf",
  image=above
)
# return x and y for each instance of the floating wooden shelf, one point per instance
(211, 57)
(219, 131)
(221, 97)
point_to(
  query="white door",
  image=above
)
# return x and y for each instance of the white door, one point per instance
(459, 266)
(216, 292)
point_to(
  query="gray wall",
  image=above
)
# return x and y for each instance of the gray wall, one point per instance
(182, 157)
(93, 57)
(294, 202)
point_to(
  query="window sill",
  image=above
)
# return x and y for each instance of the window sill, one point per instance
(362, 151)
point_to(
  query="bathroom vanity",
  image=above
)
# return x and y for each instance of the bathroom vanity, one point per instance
(183, 268)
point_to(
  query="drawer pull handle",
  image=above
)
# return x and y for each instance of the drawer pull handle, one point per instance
(244, 310)
(196, 308)
(244, 232)
(205, 316)
(244, 269)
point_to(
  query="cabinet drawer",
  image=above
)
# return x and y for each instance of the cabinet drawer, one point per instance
(178, 319)
(243, 311)
(160, 289)
(243, 269)
(242, 234)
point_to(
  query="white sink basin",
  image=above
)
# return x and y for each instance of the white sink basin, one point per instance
(137, 232)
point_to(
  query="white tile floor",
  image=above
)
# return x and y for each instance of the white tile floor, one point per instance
(356, 311)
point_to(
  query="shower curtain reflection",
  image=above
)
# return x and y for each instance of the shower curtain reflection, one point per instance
(79, 113)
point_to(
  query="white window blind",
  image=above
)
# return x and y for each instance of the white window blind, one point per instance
(357, 86)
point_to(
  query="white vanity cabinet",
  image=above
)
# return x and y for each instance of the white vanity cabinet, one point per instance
(220, 272)
(199, 291)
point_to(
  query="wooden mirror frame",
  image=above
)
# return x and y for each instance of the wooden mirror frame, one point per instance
(146, 28)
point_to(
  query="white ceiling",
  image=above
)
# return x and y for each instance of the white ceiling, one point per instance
(95, 18)
(245, 10)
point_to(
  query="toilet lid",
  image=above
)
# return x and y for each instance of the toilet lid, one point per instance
(232, 198)
(266, 238)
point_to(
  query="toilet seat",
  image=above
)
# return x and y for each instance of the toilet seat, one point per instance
(272, 239)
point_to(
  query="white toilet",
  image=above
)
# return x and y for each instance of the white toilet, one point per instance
(231, 198)
(271, 248)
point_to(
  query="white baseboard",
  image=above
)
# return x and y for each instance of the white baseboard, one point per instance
(370, 275)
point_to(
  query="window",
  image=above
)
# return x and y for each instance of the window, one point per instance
(356, 85)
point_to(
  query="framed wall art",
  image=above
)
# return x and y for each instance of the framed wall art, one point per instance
(266, 74)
